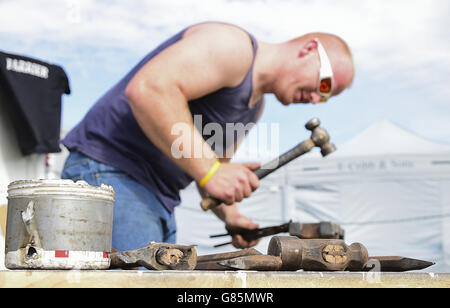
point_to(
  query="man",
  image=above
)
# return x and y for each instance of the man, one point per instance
(215, 70)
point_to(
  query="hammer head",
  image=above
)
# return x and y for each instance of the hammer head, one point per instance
(320, 137)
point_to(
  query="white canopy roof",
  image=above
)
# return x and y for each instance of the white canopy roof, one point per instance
(385, 138)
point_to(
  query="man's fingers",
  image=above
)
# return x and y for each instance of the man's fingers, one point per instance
(252, 166)
(229, 197)
(245, 222)
(233, 182)
(253, 181)
(239, 242)
(252, 178)
(242, 222)
(247, 191)
(253, 243)
(245, 186)
(238, 192)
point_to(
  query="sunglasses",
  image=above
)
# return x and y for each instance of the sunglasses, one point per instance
(325, 82)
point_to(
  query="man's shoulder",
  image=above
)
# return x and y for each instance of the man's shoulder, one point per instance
(222, 35)
(218, 29)
(227, 44)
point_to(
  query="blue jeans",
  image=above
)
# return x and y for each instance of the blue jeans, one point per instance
(139, 217)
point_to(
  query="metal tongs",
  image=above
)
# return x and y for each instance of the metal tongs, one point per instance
(321, 230)
(251, 235)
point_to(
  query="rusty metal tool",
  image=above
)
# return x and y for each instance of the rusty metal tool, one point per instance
(251, 235)
(254, 263)
(395, 264)
(156, 256)
(324, 230)
(319, 138)
(375, 264)
(317, 254)
(211, 262)
(292, 254)
(321, 230)
(288, 253)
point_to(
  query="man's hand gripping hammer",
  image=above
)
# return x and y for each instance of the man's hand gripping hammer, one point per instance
(319, 138)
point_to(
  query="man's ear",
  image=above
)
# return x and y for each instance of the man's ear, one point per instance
(307, 48)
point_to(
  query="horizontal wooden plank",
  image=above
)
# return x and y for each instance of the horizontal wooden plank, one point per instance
(207, 279)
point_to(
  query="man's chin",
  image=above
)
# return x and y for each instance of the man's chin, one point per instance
(287, 101)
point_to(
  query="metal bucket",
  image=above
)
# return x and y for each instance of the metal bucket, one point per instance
(58, 224)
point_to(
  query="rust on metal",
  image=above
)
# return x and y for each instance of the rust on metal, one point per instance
(396, 264)
(255, 263)
(291, 254)
(156, 256)
(334, 254)
(272, 263)
(228, 255)
(169, 257)
(321, 230)
(211, 262)
(318, 254)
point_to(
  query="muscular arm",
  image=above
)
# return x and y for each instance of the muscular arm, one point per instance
(208, 58)
(198, 64)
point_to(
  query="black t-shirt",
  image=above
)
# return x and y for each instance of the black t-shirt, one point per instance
(32, 91)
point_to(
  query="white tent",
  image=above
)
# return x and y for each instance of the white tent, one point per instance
(388, 188)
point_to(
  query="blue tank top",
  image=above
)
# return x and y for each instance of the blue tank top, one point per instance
(110, 134)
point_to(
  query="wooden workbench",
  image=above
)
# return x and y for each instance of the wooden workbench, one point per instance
(209, 279)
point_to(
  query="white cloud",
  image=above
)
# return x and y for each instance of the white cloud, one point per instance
(404, 42)
(386, 36)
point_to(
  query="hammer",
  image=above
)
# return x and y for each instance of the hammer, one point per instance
(288, 253)
(319, 138)
(156, 256)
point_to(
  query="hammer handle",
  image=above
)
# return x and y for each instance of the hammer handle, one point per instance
(282, 160)
(302, 148)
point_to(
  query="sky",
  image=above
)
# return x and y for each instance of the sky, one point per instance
(401, 51)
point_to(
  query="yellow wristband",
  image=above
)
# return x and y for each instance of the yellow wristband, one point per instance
(210, 173)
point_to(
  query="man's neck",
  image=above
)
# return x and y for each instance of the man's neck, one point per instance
(268, 62)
